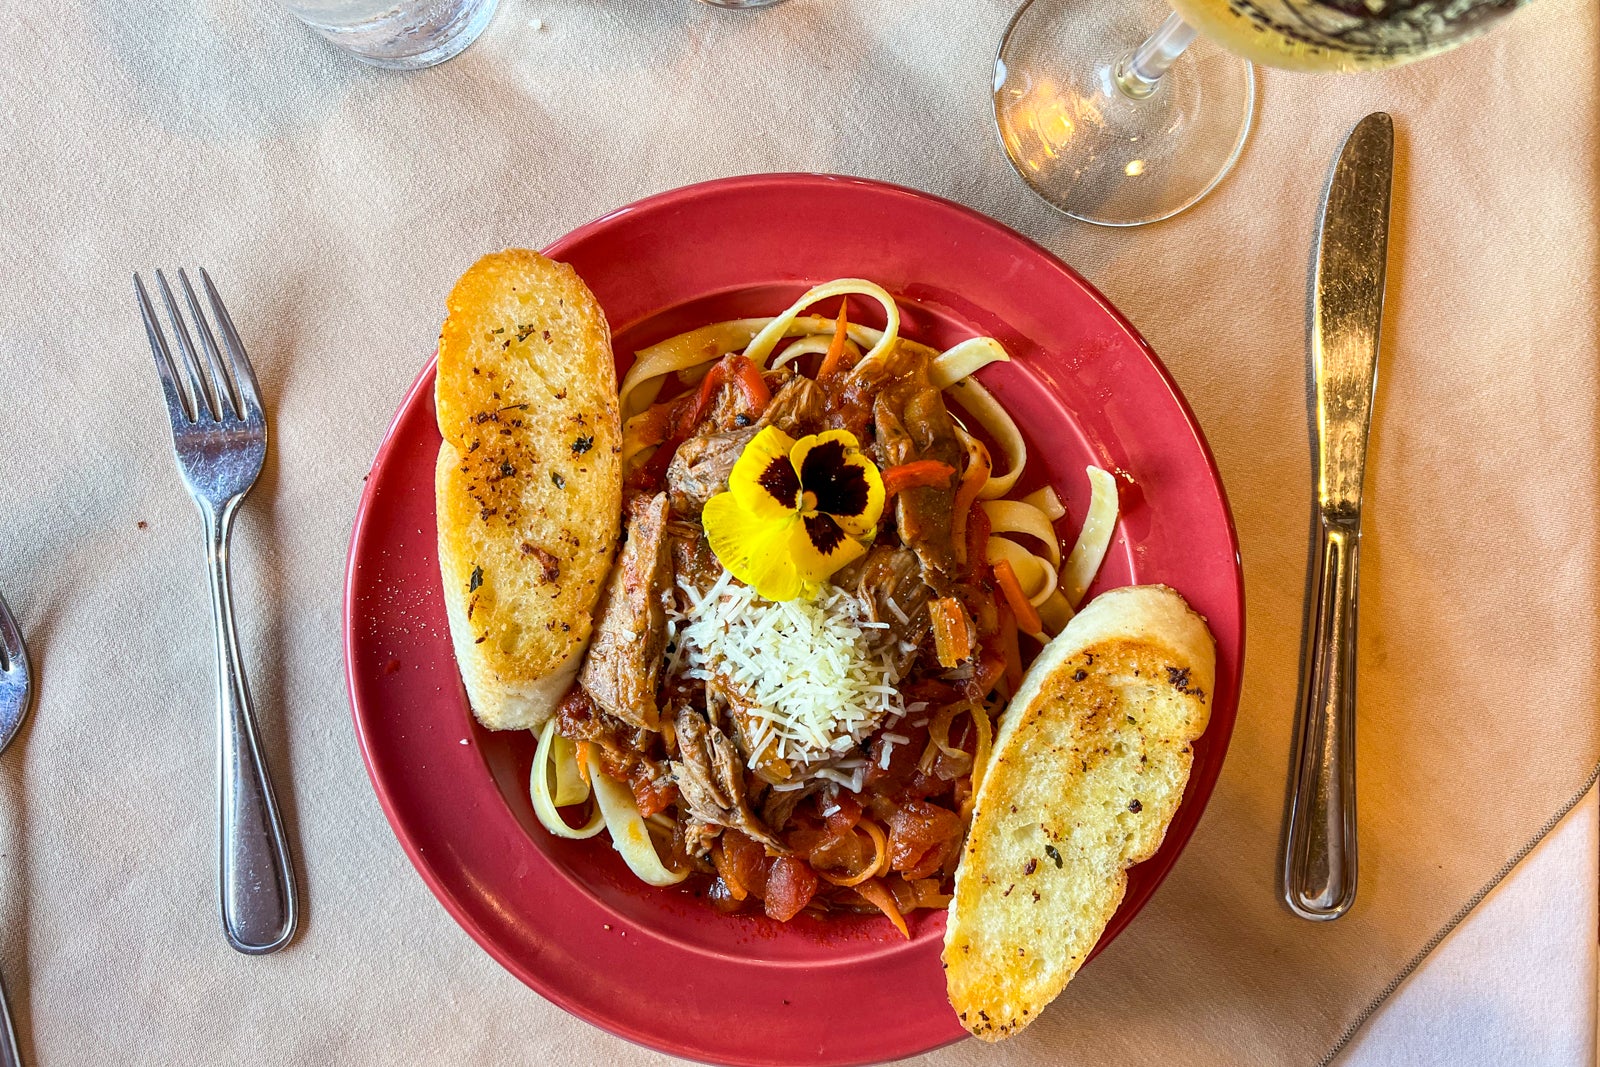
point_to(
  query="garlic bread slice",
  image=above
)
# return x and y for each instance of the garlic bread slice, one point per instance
(1090, 763)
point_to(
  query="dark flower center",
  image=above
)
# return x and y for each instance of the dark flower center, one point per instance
(824, 533)
(780, 481)
(841, 487)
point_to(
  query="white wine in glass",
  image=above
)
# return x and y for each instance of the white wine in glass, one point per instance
(1341, 35)
(1117, 132)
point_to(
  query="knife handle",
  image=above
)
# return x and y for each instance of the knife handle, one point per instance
(1319, 869)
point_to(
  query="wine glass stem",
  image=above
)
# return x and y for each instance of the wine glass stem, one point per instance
(1138, 73)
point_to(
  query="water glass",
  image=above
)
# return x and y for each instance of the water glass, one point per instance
(400, 34)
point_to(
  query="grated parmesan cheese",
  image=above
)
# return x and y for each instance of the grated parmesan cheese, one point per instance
(805, 670)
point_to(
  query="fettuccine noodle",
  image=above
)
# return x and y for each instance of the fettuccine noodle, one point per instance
(1095, 537)
(1021, 534)
(569, 789)
(629, 834)
(763, 343)
(997, 422)
(1051, 586)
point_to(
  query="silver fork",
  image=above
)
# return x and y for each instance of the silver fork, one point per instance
(15, 690)
(219, 436)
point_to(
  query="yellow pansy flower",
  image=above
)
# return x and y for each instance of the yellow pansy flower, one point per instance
(795, 511)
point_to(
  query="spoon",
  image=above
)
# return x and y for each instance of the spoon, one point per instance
(15, 691)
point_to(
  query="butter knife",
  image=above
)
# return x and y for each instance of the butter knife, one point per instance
(1319, 869)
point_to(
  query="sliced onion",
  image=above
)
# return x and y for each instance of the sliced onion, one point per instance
(634, 440)
(1021, 517)
(761, 346)
(980, 757)
(982, 405)
(879, 865)
(1046, 501)
(571, 788)
(546, 765)
(1095, 537)
(629, 835)
(966, 358)
(811, 343)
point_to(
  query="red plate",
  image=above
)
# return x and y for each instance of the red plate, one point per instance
(566, 917)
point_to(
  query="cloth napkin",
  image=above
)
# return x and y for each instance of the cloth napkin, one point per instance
(335, 204)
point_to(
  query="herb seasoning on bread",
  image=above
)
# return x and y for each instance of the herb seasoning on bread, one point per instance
(1089, 765)
(529, 480)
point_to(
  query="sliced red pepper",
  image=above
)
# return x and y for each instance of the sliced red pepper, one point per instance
(978, 527)
(738, 370)
(651, 475)
(921, 473)
(747, 376)
(690, 416)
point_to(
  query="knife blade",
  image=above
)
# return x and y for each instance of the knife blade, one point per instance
(1347, 309)
(1319, 868)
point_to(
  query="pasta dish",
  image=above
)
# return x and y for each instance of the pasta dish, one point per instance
(830, 587)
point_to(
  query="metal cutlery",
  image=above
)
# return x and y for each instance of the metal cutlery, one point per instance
(219, 438)
(1319, 870)
(16, 690)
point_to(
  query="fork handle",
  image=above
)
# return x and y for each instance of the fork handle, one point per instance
(1319, 871)
(256, 877)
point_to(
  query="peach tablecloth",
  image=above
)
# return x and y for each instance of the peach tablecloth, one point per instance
(335, 204)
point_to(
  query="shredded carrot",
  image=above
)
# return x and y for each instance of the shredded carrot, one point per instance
(835, 354)
(583, 762)
(972, 480)
(951, 640)
(875, 893)
(1009, 648)
(920, 473)
(1027, 614)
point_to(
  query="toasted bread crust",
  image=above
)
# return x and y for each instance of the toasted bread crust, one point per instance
(529, 481)
(1089, 765)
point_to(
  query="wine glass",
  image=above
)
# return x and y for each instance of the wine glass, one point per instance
(1119, 133)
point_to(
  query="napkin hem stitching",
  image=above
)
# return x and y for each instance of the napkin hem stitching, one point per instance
(1456, 919)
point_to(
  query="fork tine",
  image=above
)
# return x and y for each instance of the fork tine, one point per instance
(178, 406)
(204, 402)
(13, 653)
(244, 375)
(221, 380)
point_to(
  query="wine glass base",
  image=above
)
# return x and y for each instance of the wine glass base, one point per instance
(1092, 150)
